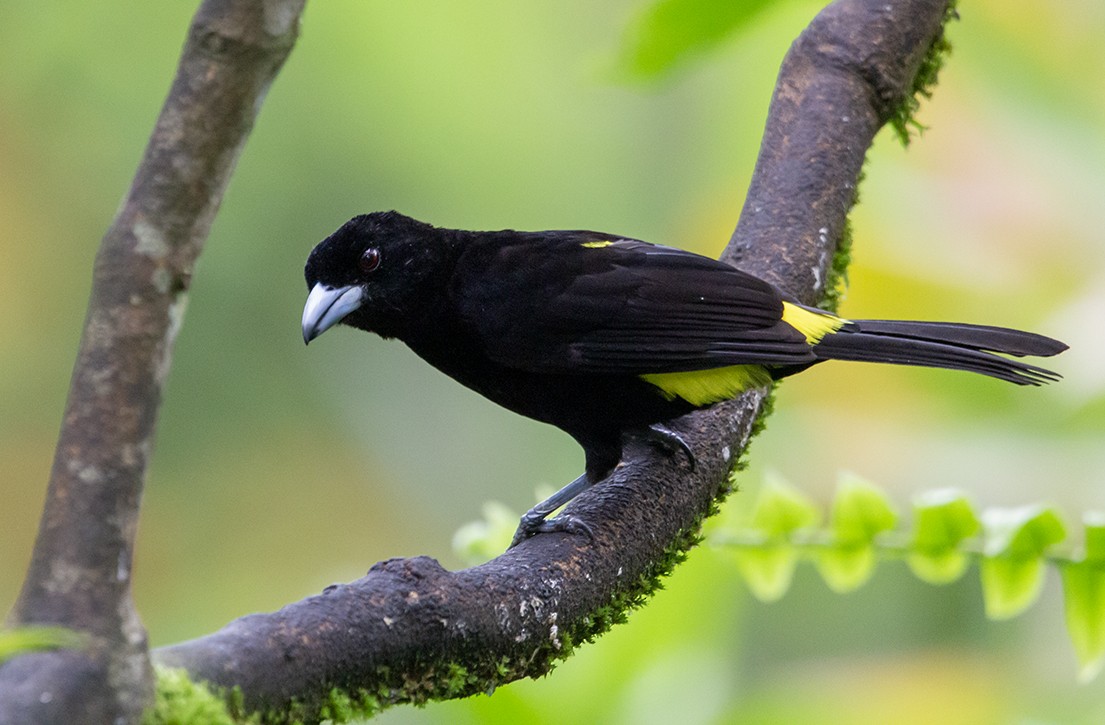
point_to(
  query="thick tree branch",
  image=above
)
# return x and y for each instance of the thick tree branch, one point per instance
(410, 630)
(79, 575)
(842, 80)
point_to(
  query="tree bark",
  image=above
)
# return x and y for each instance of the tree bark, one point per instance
(410, 630)
(79, 576)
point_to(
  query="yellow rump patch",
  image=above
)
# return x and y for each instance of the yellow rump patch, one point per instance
(704, 387)
(814, 324)
(596, 245)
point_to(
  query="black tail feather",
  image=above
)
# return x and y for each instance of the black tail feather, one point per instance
(976, 337)
(942, 345)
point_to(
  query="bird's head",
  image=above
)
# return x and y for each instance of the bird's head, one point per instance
(373, 273)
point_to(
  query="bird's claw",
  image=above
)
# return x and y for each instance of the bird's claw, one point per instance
(533, 523)
(671, 442)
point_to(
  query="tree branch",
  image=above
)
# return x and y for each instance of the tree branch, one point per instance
(410, 630)
(79, 576)
(842, 80)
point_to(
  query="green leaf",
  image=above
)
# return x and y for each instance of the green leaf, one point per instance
(1026, 531)
(1095, 536)
(670, 32)
(1012, 565)
(1010, 586)
(1084, 600)
(846, 569)
(943, 518)
(782, 509)
(768, 572)
(18, 641)
(860, 512)
(779, 511)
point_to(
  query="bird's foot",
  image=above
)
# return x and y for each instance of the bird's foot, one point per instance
(534, 522)
(670, 442)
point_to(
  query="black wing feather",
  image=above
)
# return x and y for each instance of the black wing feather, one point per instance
(546, 303)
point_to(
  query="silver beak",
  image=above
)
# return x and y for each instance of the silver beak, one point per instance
(327, 306)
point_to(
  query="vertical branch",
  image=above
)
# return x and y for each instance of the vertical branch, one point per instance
(79, 576)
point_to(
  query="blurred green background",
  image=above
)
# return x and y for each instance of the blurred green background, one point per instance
(280, 469)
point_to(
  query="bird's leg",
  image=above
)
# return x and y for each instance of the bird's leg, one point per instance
(533, 522)
(669, 441)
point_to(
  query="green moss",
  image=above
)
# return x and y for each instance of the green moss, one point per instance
(836, 286)
(903, 120)
(342, 707)
(180, 701)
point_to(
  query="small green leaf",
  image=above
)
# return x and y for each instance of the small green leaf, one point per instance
(768, 571)
(944, 518)
(1010, 586)
(782, 509)
(1012, 565)
(1026, 531)
(860, 512)
(779, 511)
(21, 640)
(480, 541)
(1095, 536)
(672, 31)
(1084, 600)
(846, 568)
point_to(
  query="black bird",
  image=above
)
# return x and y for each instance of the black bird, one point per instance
(605, 336)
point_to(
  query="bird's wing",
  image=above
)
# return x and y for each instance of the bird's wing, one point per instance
(570, 302)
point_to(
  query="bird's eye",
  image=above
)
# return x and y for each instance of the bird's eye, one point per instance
(370, 260)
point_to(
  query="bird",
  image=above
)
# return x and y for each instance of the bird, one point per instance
(607, 337)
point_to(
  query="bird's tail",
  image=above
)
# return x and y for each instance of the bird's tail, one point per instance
(942, 345)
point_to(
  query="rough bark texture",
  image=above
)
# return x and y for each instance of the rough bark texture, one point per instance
(410, 629)
(79, 575)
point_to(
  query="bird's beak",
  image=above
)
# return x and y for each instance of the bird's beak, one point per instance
(327, 306)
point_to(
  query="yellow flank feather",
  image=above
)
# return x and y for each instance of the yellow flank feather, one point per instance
(811, 323)
(704, 387)
(596, 245)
